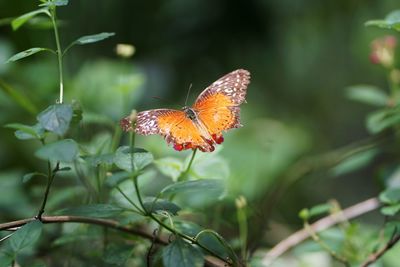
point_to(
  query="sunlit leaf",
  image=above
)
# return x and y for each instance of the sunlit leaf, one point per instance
(18, 22)
(27, 53)
(161, 205)
(125, 159)
(383, 119)
(181, 254)
(65, 150)
(94, 210)
(88, 39)
(56, 118)
(368, 94)
(26, 236)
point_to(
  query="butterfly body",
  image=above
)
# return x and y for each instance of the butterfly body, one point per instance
(215, 110)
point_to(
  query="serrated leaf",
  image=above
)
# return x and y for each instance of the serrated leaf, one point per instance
(18, 22)
(94, 210)
(88, 39)
(170, 167)
(367, 94)
(124, 160)
(26, 132)
(26, 236)
(55, 3)
(391, 210)
(117, 254)
(65, 150)
(390, 196)
(56, 118)
(181, 254)
(27, 177)
(207, 185)
(26, 53)
(160, 205)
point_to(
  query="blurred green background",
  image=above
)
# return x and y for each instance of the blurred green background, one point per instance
(301, 54)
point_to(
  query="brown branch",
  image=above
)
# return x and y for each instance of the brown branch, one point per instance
(320, 225)
(209, 260)
(375, 256)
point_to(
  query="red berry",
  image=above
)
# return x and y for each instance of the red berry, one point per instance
(178, 147)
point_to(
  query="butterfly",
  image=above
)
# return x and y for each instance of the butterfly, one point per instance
(215, 110)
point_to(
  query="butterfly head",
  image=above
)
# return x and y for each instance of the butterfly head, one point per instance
(189, 112)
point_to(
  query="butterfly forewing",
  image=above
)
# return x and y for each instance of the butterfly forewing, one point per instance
(218, 105)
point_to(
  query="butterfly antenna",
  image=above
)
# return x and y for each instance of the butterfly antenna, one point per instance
(187, 96)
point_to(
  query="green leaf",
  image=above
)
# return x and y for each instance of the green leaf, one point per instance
(94, 210)
(117, 254)
(18, 97)
(355, 162)
(26, 132)
(55, 3)
(367, 94)
(390, 196)
(319, 210)
(88, 39)
(391, 21)
(6, 259)
(100, 159)
(117, 178)
(170, 167)
(65, 151)
(26, 236)
(208, 185)
(27, 53)
(383, 119)
(27, 177)
(391, 210)
(160, 205)
(56, 118)
(181, 254)
(123, 158)
(18, 22)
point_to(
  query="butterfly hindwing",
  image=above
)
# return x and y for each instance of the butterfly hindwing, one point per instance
(173, 125)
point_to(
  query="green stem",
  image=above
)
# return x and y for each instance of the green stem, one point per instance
(50, 177)
(130, 201)
(59, 53)
(183, 174)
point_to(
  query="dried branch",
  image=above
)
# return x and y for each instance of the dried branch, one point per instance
(320, 225)
(209, 260)
(375, 256)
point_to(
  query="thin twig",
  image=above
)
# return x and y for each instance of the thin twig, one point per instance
(375, 256)
(210, 261)
(320, 225)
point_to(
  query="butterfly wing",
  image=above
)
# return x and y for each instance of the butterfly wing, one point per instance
(218, 105)
(173, 125)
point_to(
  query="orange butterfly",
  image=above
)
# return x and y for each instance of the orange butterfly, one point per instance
(216, 109)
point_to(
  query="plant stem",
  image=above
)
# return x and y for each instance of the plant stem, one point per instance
(50, 177)
(183, 174)
(59, 54)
